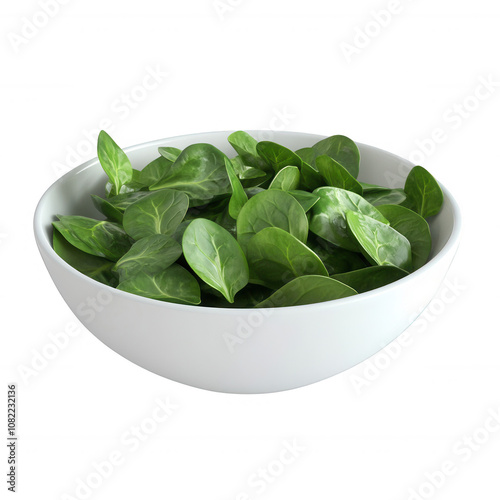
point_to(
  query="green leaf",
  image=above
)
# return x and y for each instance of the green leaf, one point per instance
(151, 254)
(414, 228)
(307, 155)
(255, 180)
(174, 284)
(371, 188)
(381, 244)
(239, 197)
(249, 176)
(308, 290)
(310, 177)
(276, 257)
(307, 200)
(158, 213)
(155, 171)
(271, 208)
(385, 197)
(169, 153)
(329, 215)
(424, 194)
(287, 179)
(94, 267)
(132, 186)
(250, 173)
(122, 201)
(246, 147)
(336, 175)
(370, 278)
(249, 297)
(114, 162)
(342, 149)
(335, 259)
(215, 256)
(136, 183)
(251, 192)
(277, 156)
(96, 237)
(238, 165)
(200, 204)
(199, 171)
(107, 209)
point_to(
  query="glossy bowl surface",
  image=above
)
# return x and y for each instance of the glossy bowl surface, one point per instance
(244, 350)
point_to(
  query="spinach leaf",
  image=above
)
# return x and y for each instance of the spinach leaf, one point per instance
(307, 155)
(249, 297)
(381, 244)
(122, 201)
(174, 284)
(329, 215)
(414, 228)
(107, 209)
(371, 188)
(336, 175)
(200, 203)
(136, 183)
(169, 153)
(155, 171)
(335, 259)
(215, 256)
(277, 156)
(246, 147)
(94, 267)
(310, 177)
(114, 162)
(385, 197)
(271, 208)
(308, 290)
(239, 197)
(158, 213)
(251, 173)
(276, 257)
(424, 194)
(238, 166)
(132, 186)
(151, 254)
(249, 176)
(306, 199)
(369, 278)
(199, 171)
(342, 149)
(251, 192)
(96, 237)
(250, 179)
(287, 179)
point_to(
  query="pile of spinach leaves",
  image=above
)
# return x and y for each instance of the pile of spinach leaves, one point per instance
(270, 227)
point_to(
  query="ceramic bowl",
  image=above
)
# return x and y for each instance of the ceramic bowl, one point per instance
(244, 350)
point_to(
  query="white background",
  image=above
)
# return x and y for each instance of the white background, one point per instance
(380, 429)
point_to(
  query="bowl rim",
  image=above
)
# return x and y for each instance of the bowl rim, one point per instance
(44, 243)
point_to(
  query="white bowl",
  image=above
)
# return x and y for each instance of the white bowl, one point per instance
(243, 350)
